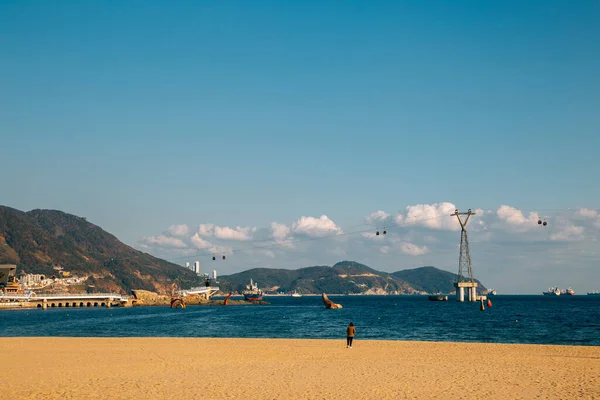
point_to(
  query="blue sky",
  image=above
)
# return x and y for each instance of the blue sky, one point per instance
(142, 115)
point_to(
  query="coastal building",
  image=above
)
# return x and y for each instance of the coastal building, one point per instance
(31, 279)
(214, 274)
(197, 267)
(187, 265)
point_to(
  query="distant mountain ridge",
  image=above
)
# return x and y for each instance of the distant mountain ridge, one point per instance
(39, 240)
(344, 277)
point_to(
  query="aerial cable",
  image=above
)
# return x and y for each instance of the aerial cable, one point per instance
(379, 228)
(302, 240)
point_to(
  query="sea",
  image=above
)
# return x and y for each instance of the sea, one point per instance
(561, 320)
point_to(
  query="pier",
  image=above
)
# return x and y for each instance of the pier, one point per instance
(58, 300)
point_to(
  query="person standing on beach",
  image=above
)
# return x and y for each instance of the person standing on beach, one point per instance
(350, 332)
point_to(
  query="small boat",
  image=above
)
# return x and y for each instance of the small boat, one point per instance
(296, 294)
(252, 292)
(594, 293)
(491, 292)
(437, 297)
(555, 291)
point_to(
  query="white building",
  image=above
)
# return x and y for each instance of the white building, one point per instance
(31, 279)
(187, 265)
(197, 267)
(215, 274)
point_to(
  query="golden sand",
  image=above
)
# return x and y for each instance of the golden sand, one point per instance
(191, 368)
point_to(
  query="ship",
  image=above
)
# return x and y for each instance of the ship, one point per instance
(552, 292)
(206, 291)
(252, 292)
(570, 292)
(296, 294)
(437, 297)
(491, 292)
(594, 293)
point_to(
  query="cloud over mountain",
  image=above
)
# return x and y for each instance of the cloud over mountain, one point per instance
(312, 226)
(503, 239)
(179, 230)
(164, 241)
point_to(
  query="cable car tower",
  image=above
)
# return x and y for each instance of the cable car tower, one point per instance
(464, 261)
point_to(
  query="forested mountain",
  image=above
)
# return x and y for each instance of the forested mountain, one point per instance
(39, 240)
(343, 277)
(430, 279)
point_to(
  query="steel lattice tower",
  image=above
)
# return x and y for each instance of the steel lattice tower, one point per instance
(464, 260)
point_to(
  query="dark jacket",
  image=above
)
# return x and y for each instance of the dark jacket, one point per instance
(351, 331)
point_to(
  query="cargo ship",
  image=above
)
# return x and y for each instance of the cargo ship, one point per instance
(552, 292)
(252, 292)
(570, 292)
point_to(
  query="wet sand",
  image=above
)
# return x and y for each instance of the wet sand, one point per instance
(182, 368)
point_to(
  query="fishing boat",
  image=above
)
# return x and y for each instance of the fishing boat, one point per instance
(555, 291)
(252, 292)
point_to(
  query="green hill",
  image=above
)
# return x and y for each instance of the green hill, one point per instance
(40, 240)
(430, 279)
(343, 277)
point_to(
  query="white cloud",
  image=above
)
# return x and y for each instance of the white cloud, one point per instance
(507, 238)
(227, 233)
(412, 249)
(433, 216)
(515, 219)
(165, 241)
(567, 232)
(399, 219)
(200, 243)
(179, 230)
(588, 213)
(377, 216)
(311, 226)
(280, 231)
(206, 229)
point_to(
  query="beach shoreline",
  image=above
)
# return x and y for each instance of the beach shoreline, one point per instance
(218, 368)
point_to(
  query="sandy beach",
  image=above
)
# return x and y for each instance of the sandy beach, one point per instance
(180, 368)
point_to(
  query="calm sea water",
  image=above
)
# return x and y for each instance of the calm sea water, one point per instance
(573, 320)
